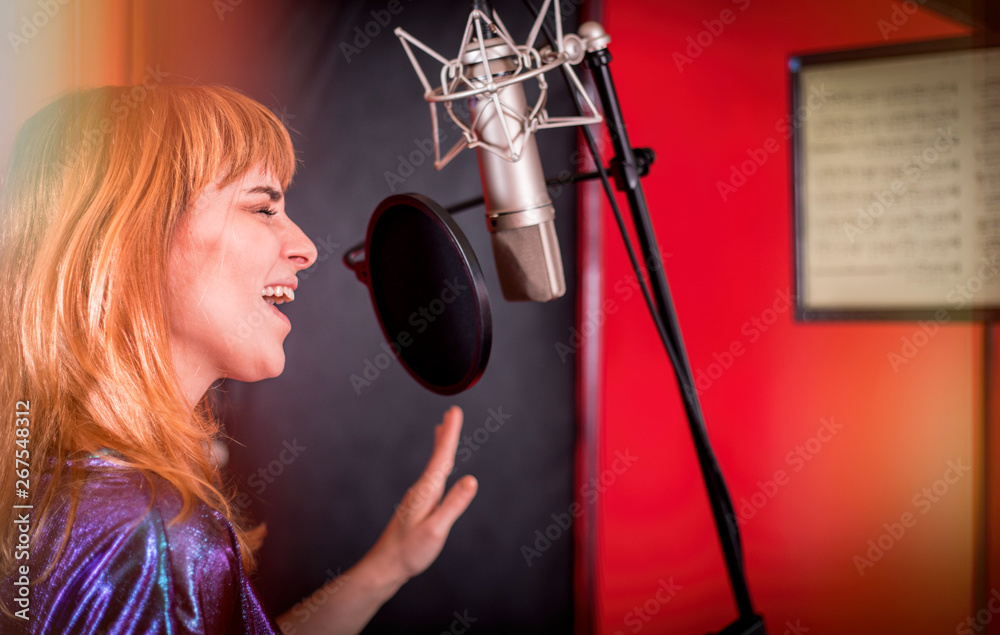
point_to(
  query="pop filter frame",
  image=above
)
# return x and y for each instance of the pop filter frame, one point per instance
(428, 292)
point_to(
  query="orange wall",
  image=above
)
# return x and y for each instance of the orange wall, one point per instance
(52, 47)
(729, 264)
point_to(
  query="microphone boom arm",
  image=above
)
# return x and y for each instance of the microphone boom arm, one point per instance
(644, 161)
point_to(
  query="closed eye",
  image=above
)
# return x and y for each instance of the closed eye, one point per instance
(267, 211)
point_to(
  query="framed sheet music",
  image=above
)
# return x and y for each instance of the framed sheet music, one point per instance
(896, 179)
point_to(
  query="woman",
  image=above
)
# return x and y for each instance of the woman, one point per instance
(136, 239)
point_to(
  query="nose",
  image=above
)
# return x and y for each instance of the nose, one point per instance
(298, 247)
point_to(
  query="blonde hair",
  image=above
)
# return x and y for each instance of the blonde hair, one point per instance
(95, 186)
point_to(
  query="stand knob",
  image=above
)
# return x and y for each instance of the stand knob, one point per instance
(595, 36)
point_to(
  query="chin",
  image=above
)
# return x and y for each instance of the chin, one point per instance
(261, 369)
(275, 368)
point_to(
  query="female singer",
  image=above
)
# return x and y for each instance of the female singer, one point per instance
(136, 236)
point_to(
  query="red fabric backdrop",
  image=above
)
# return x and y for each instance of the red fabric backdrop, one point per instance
(824, 444)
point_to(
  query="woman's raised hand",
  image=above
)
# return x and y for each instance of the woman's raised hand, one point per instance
(409, 544)
(418, 529)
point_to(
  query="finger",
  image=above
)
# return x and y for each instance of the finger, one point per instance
(454, 504)
(442, 459)
(425, 494)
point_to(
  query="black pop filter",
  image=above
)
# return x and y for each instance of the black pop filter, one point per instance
(428, 292)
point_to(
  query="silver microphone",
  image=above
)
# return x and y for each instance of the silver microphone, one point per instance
(488, 76)
(519, 212)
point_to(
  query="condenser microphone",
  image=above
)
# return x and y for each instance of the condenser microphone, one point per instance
(424, 280)
(519, 213)
(488, 77)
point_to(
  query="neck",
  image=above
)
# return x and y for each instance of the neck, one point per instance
(195, 378)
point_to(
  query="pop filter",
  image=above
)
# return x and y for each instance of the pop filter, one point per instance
(428, 292)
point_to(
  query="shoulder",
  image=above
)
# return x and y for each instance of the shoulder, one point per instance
(134, 564)
(123, 506)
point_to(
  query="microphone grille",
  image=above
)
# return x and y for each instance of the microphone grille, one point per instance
(528, 263)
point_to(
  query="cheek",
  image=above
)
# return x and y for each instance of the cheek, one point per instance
(220, 257)
(216, 274)
(197, 275)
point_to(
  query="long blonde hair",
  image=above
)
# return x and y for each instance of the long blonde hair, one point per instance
(95, 186)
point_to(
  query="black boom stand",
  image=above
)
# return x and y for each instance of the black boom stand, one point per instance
(627, 167)
(626, 171)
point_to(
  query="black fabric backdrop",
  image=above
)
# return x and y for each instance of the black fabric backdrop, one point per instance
(322, 461)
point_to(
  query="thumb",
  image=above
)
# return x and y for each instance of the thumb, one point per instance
(454, 504)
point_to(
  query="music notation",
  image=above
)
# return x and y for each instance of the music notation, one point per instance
(900, 180)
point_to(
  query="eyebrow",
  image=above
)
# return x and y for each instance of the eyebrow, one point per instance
(274, 194)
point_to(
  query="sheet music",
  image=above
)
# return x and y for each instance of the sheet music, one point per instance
(900, 171)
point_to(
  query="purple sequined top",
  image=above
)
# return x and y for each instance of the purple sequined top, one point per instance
(126, 570)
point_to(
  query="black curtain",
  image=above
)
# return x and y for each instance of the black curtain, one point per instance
(322, 458)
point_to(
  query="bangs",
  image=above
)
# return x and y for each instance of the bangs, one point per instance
(227, 134)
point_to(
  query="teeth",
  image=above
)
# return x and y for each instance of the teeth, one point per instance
(278, 294)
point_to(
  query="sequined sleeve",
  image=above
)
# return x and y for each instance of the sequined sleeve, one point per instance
(126, 569)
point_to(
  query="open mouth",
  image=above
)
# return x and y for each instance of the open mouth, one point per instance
(277, 294)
